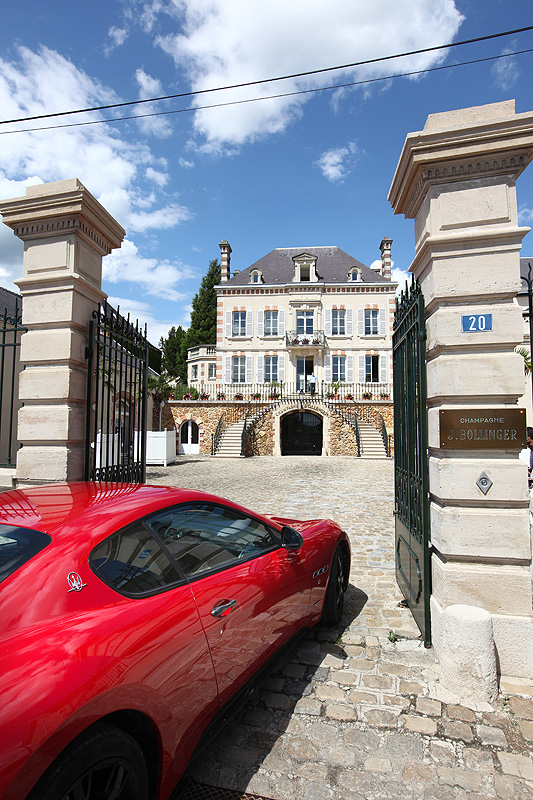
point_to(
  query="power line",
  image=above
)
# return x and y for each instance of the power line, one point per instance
(271, 80)
(267, 97)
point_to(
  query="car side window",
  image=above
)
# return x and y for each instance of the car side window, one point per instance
(133, 563)
(204, 537)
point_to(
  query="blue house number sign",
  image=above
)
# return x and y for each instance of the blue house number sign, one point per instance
(476, 323)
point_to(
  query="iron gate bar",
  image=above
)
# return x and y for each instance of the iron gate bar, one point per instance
(413, 568)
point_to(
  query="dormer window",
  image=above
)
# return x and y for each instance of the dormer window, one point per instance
(256, 276)
(305, 268)
(354, 274)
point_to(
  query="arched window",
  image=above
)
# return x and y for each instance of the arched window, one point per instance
(256, 276)
(354, 274)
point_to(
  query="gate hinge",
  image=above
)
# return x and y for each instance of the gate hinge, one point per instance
(88, 352)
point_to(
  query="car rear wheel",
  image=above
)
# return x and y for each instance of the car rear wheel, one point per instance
(334, 600)
(104, 763)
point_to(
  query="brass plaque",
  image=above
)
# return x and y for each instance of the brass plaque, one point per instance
(483, 429)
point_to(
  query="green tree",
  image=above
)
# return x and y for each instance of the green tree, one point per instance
(174, 349)
(203, 327)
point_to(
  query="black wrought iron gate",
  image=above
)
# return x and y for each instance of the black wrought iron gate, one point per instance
(413, 570)
(115, 445)
(11, 329)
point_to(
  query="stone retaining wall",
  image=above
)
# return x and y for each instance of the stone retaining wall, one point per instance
(260, 442)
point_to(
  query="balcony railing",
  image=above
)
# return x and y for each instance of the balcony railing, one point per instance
(275, 392)
(315, 339)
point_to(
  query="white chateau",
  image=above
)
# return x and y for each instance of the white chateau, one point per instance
(296, 312)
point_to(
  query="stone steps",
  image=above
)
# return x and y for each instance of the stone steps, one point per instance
(371, 442)
(230, 442)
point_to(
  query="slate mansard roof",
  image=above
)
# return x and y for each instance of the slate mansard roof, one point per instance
(332, 266)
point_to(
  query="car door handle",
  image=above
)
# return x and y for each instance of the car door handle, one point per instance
(223, 607)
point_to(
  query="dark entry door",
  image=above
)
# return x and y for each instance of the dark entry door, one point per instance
(301, 434)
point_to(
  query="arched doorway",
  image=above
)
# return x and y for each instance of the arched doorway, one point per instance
(301, 434)
(189, 441)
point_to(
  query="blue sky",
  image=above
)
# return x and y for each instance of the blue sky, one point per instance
(312, 169)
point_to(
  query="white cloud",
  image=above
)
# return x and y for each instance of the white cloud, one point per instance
(116, 171)
(221, 43)
(150, 87)
(156, 327)
(185, 164)
(505, 72)
(401, 277)
(525, 215)
(115, 38)
(158, 278)
(161, 178)
(337, 163)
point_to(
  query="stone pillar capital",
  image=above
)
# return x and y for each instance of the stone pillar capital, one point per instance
(50, 210)
(469, 144)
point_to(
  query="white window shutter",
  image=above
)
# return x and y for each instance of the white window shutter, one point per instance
(281, 323)
(361, 368)
(360, 321)
(383, 368)
(349, 369)
(261, 323)
(227, 366)
(382, 322)
(249, 369)
(260, 369)
(349, 322)
(249, 323)
(227, 332)
(327, 367)
(281, 367)
(327, 322)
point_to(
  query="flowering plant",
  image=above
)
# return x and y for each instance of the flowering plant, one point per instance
(221, 396)
(239, 396)
(367, 395)
(330, 395)
(187, 396)
(274, 395)
(349, 397)
(385, 396)
(204, 396)
(256, 396)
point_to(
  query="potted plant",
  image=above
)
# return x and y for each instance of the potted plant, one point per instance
(187, 396)
(304, 341)
(204, 396)
(330, 394)
(348, 396)
(256, 396)
(384, 396)
(221, 396)
(239, 396)
(367, 395)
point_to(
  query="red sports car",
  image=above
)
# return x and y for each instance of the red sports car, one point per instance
(134, 620)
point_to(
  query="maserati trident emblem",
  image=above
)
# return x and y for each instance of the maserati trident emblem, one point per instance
(75, 582)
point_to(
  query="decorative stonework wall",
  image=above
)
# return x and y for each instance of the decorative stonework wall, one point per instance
(264, 438)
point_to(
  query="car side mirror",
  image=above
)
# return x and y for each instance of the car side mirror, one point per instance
(291, 539)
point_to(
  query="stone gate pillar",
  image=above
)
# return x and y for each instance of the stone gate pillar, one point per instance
(66, 232)
(456, 179)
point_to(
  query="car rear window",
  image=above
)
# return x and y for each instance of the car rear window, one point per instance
(17, 546)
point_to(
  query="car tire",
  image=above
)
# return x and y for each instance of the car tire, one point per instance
(102, 763)
(334, 600)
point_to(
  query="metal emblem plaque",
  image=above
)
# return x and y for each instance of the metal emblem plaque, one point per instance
(483, 429)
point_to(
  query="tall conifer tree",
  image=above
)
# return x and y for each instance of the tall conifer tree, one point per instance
(203, 327)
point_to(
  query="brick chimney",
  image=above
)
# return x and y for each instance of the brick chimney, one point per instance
(225, 258)
(386, 261)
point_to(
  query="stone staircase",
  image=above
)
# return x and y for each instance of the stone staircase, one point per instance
(371, 442)
(229, 445)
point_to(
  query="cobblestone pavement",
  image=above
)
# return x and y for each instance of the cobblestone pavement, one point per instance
(352, 715)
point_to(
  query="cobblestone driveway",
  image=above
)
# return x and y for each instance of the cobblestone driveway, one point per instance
(349, 716)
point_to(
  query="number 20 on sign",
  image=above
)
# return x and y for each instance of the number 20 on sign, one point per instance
(476, 323)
